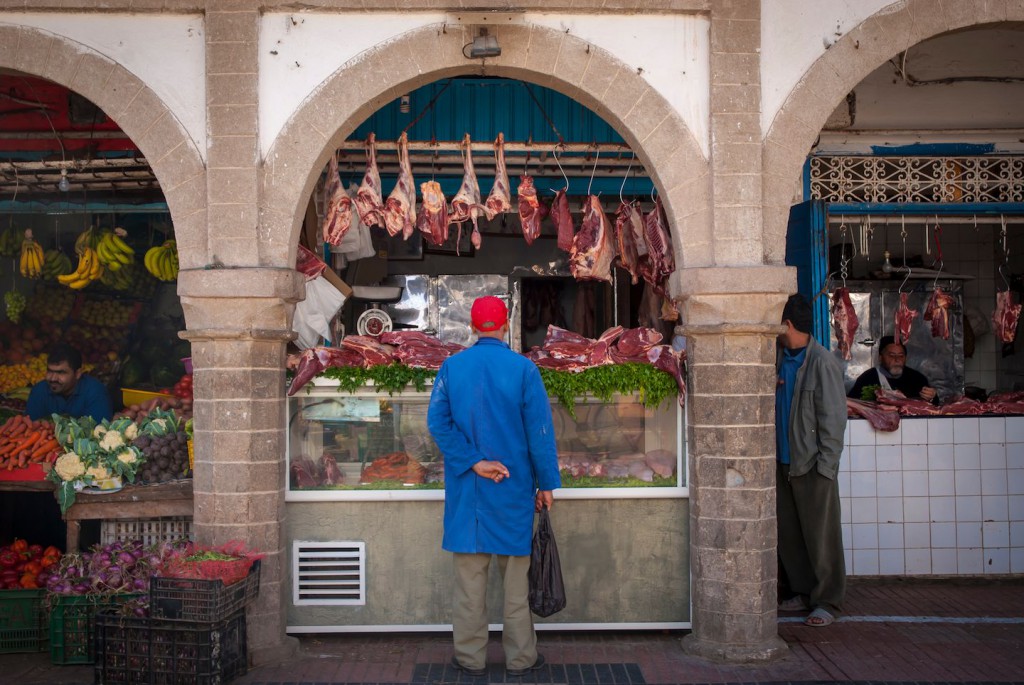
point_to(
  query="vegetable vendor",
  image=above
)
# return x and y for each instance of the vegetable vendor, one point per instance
(66, 389)
(892, 373)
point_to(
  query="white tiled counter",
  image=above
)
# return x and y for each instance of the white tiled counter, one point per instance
(939, 496)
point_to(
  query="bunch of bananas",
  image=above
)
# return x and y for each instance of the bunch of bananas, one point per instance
(121, 279)
(31, 262)
(55, 263)
(10, 242)
(113, 251)
(162, 261)
(89, 269)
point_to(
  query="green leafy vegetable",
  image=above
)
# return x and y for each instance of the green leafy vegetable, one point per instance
(392, 377)
(867, 393)
(652, 385)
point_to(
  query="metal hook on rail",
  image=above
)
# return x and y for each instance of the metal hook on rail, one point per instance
(554, 153)
(623, 186)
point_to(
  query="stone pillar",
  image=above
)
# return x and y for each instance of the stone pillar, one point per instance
(732, 320)
(238, 323)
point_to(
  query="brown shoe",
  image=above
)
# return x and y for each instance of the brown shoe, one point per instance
(518, 672)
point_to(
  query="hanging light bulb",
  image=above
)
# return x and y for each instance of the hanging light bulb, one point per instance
(887, 265)
(64, 185)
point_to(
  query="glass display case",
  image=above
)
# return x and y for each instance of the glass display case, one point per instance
(373, 445)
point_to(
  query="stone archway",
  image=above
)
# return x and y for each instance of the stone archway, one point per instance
(540, 55)
(851, 59)
(139, 112)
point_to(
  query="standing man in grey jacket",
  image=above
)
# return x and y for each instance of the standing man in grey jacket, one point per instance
(810, 419)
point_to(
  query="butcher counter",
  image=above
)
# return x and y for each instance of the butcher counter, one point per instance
(939, 496)
(366, 498)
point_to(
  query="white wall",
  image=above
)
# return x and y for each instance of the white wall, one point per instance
(167, 52)
(794, 34)
(298, 52)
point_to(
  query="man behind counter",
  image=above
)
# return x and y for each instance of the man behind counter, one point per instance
(892, 373)
(66, 390)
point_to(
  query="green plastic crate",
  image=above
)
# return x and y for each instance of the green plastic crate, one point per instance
(22, 628)
(71, 625)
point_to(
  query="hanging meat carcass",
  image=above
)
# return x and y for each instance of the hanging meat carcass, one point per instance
(844, 320)
(400, 208)
(937, 311)
(500, 199)
(561, 217)
(529, 209)
(1005, 317)
(337, 205)
(628, 222)
(903, 319)
(432, 220)
(466, 203)
(590, 258)
(369, 203)
(660, 260)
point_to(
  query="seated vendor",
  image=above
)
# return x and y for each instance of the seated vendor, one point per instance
(66, 390)
(892, 373)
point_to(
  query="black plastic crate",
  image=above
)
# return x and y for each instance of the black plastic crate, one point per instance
(71, 624)
(193, 599)
(154, 651)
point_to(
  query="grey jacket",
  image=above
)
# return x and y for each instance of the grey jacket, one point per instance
(817, 419)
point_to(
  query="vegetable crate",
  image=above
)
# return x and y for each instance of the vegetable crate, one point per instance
(71, 625)
(194, 599)
(22, 628)
(151, 650)
(150, 531)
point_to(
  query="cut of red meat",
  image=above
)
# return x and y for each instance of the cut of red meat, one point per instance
(844, 320)
(562, 218)
(337, 205)
(880, 418)
(593, 248)
(937, 311)
(903, 319)
(369, 203)
(1006, 316)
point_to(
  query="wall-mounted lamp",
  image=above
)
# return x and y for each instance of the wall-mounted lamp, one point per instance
(404, 104)
(63, 185)
(484, 45)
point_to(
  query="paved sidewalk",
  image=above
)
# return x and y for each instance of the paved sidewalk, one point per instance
(949, 631)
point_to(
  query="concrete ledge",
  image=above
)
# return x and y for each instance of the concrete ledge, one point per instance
(766, 652)
(736, 280)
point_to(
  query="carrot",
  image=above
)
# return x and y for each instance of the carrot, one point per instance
(30, 440)
(22, 459)
(43, 448)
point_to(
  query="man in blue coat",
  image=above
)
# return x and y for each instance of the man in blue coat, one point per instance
(491, 418)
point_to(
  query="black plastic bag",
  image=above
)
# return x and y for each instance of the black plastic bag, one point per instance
(547, 592)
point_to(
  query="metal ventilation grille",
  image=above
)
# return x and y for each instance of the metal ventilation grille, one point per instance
(328, 572)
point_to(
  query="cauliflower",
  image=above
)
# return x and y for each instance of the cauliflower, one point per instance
(131, 432)
(69, 466)
(160, 423)
(111, 441)
(98, 431)
(126, 456)
(98, 473)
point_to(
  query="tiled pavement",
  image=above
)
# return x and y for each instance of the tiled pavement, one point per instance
(951, 631)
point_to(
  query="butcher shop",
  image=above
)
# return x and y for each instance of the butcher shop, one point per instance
(530, 200)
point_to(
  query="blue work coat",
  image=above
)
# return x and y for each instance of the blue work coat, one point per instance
(489, 402)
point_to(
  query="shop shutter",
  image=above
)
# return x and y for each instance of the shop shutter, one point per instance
(326, 573)
(807, 250)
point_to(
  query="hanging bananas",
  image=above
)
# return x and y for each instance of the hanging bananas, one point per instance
(162, 261)
(31, 262)
(55, 263)
(113, 251)
(89, 269)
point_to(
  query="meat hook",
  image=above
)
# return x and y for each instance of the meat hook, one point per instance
(623, 186)
(594, 170)
(938, 251)
(554, 153)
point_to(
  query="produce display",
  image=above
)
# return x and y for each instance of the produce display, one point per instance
(14, 302)
(120, 567)
(27, 567)
(182, 408)
(24, 442)
(24, 375)
(165, 457)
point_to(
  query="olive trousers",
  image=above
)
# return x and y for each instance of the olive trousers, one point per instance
(469, 611)
(811, 538)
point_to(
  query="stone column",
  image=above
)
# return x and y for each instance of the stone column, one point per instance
(238, 323)
(732, 320)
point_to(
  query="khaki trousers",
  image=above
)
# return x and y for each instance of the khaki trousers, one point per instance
(469, 611)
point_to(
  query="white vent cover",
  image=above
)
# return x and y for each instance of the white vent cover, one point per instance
(328, 572)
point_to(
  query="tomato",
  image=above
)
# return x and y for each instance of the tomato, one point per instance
(33, 567)
(9, 558)
(51, 551)
(35, 551)
(19, 546)
(49, 560)
(28, 581)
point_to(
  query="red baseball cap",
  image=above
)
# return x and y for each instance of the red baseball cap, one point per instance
(488, 313)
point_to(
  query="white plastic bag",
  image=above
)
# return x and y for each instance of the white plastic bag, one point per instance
(313, 315)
